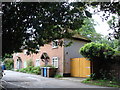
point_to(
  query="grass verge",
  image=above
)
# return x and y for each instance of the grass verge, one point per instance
(106, 83)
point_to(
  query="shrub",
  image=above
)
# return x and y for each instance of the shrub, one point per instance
(31, 69)
(58, 76)
(23, 70)
(17, 70)
(29, 63)
(116, 57)
(36, 70)
(97, 50)
(100, 55)
(9, 62)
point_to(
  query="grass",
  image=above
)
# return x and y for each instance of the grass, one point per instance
(58, 76)
(106, 83)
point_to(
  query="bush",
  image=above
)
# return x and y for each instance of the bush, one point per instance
(9, 62)
(31, 69)
(97, 50)
(101, 57)
(36, 70)
(17, 70)
(116, 57)
(23, 70)
(29, 63)
(58, 76)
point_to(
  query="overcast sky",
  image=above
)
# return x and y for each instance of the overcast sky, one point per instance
(102, 26)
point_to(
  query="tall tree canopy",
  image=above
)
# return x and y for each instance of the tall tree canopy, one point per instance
(110, 8)
(28, 25)
(88, 30)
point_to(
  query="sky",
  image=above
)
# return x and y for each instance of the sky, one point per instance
(102, 27)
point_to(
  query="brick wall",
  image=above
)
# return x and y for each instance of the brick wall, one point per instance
(52, 52)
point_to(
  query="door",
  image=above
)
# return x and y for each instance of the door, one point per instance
(80, 67)
(75, 67)
(19, 64)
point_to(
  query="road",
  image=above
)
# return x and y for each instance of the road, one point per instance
(14, 79)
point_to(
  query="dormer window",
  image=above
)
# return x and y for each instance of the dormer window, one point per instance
(55, 44)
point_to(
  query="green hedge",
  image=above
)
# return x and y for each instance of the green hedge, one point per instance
(30, 69)
(9, 63)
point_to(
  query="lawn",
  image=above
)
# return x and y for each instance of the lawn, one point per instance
(106, 83)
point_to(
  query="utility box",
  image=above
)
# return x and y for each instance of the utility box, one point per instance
(45, 72)
(80, 67)
(48, 71)
(51, 72)
(42, 71)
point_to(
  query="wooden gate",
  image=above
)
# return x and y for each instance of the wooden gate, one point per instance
(80, 67)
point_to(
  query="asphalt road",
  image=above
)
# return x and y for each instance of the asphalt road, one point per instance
(22, 80)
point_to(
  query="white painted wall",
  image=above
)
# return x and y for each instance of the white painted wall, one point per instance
(72, 52)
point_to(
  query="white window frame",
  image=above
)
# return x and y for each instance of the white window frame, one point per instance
(37, 61)
(53, 44)
(55, 62)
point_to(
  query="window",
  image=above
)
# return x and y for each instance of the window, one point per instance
(25, 52)
(55, 44)
(37, 62)
(55, 62)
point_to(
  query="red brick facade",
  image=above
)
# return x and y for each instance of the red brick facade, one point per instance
(63, 53)
(52, 52)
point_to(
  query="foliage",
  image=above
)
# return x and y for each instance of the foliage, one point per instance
(22, 70)
(31, 69)
(116, 57)
(29, 63)
(106, 83)
(101, 57)
(39, 23)
(58, 76)
(36, 70)
(8, 56)
(88, 30)
(112, 43)
(110, 8)
(27, 25)
(9, 62)
(96, 50)
(17, 70)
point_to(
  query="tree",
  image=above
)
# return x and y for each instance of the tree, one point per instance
(100, 57)
(112, 43)
(30, 25)
(89, 31)
(110, 8)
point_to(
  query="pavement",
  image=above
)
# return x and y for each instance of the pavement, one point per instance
(75, 79)
(14, 79)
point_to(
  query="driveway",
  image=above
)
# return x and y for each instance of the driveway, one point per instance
(14, 79)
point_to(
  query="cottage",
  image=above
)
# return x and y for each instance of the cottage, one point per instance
(58, 56)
